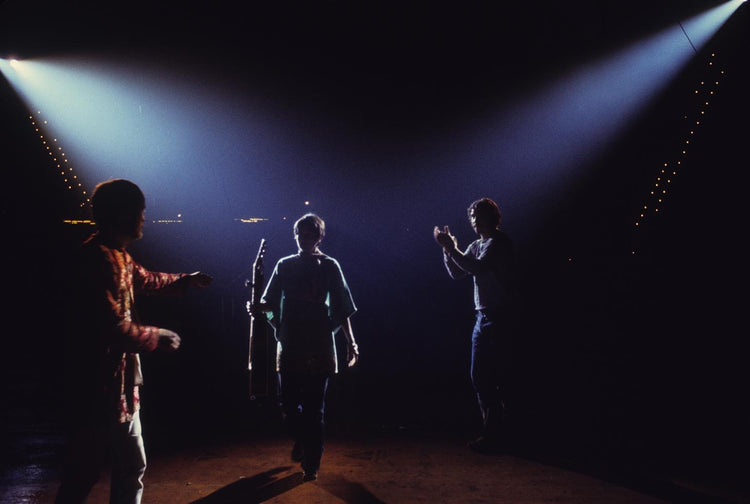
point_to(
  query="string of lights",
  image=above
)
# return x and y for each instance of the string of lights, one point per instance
(60, 161)
(661, 186)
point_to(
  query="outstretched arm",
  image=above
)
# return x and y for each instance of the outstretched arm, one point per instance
(106, 291)
(151, 282)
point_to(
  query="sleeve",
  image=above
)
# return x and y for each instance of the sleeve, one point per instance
(150, 282)
(131, 336)
(469, 263)
(340, 297)
(454, 270)
(111, 311)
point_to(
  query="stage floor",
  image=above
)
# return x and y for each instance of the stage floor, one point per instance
(392, 466)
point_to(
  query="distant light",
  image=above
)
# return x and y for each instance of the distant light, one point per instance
(76, 222)
(13, 62)
(307, 202)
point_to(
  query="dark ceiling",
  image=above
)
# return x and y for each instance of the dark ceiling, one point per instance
(412, 41)
(369, 58)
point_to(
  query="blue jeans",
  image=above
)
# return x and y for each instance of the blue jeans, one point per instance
(490, 363)
(87, 453)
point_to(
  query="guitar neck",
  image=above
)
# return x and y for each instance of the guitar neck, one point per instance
(258, 278)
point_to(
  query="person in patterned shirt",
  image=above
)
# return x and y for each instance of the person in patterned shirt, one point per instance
(103, 346)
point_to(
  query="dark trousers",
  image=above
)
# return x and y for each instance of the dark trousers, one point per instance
(490, 369)
(303, 396)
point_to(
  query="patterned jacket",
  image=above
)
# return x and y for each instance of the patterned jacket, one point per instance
(106, 336)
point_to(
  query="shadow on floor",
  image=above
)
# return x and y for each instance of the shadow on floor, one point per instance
(264, 486)
(255, 489)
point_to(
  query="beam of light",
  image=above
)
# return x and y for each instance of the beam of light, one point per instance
(204, 151)
(196, 148)
(184, 139)
(538, 145)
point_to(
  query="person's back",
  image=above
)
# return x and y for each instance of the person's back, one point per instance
(307, 301)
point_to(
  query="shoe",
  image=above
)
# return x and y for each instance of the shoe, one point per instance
(486, 446)
(298, 452)
(310, 476)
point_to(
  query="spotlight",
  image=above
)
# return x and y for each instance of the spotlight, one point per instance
(9, 62)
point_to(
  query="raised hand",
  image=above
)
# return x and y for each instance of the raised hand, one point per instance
(444, 238)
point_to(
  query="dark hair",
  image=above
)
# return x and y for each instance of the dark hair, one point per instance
(115, 202)
(485, 208)
(311, 221)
